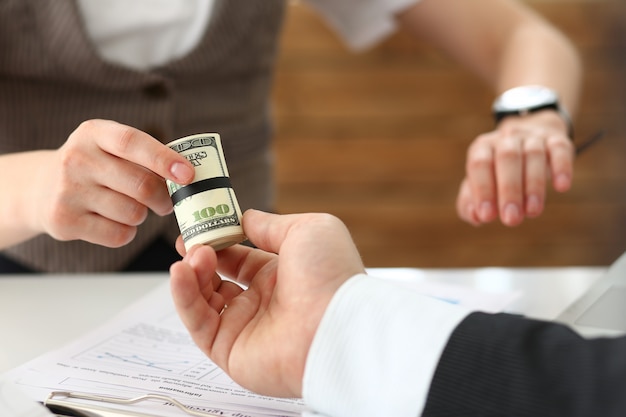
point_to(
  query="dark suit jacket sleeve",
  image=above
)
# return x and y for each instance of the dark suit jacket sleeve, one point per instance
(507, 365)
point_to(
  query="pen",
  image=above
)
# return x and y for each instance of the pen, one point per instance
(58, 403)
(593, 139)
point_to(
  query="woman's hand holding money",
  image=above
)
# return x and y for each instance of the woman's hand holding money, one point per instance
(100, 184)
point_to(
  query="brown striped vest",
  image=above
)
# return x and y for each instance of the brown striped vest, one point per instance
(51, 79)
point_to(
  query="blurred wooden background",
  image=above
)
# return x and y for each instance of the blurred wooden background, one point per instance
(379, 139)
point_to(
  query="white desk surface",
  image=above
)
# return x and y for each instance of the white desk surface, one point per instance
(39, 313)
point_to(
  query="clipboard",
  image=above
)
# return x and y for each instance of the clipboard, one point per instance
(60, 403)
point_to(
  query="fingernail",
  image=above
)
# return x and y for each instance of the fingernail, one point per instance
(533, 205)
(469, 212)
(182, 172)
(191, 254)
(471, 216)
(511, 214)
(562, 182)
(486, 211)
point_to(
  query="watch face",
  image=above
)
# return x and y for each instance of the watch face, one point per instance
(525, 97)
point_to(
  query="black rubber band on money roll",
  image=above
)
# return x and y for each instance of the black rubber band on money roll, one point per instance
(199, 187)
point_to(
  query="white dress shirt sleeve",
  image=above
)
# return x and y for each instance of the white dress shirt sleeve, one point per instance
(361, 23)
(376, 350)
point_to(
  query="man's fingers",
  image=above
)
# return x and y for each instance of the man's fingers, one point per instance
(267, 231)
(482, 182)
(180, 246)
(535, 171)
(509, 180)
(241, 263)
(561, 161)
(191, 285)
(465, 204)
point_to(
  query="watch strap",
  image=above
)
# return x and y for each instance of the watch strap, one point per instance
(498, 116)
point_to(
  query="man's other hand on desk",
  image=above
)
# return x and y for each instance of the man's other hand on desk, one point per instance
(509, 169)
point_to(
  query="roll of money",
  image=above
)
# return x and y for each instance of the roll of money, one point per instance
(206, 210)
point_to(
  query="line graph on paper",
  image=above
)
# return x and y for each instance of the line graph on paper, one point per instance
(153, 349)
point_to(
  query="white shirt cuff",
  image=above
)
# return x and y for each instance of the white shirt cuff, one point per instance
(361, 23)
(376, 350)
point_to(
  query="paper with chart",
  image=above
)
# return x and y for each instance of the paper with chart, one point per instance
(146, 349)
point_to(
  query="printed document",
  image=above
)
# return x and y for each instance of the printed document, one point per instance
(146, 349)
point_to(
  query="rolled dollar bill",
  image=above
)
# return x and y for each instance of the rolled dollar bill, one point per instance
(206, 210)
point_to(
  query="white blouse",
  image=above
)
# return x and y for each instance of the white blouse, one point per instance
(143, 34)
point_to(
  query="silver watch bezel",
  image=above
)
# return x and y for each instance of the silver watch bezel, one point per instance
(525, 98)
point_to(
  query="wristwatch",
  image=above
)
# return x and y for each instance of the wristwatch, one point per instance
(527, 99)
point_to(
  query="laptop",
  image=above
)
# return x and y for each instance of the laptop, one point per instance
(601, 310)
